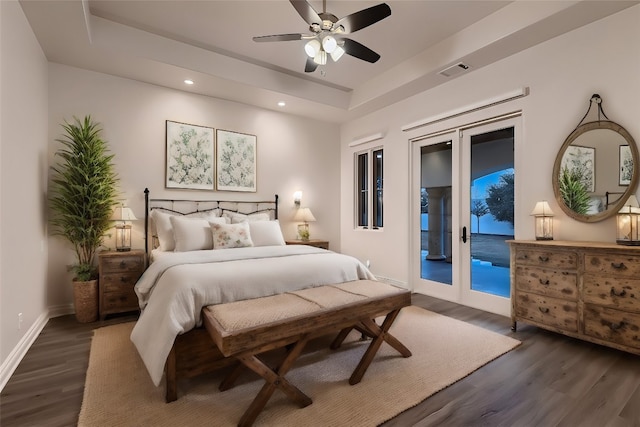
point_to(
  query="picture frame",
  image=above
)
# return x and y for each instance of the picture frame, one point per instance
(190, 156)
(236, 161)
(581, 160)
(625, 165)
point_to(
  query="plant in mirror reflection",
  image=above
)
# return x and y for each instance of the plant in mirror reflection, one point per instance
(573, 190)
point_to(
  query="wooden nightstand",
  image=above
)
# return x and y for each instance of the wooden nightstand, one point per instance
(324, 244)
(119, 272)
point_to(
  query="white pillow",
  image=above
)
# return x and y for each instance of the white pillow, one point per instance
(266, 233)
(164, 226)
(238, 217)
(191, 234)
(226, 236)
(164, 230)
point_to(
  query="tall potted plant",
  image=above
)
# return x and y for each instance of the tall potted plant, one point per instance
(82, 200)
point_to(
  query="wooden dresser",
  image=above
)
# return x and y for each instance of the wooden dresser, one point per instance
(585, 290)
(119, 272)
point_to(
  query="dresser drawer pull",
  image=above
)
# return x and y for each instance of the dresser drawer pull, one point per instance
(618, 265)
(543, 258)
(123, 264)
(544, 310)
(618, 294)
(615, 326)
(544, 282)
(123, 279)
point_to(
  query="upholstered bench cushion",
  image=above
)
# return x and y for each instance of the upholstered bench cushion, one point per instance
(245, 314)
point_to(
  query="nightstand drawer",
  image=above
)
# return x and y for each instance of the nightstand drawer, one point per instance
(122, 263)
(118, 282)
(115, 302)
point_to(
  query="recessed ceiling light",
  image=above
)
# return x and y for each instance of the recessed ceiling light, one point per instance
(281, 104)
(188, 82)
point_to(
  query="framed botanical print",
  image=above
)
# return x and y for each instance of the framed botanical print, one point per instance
(626, 165)
(190, 156)
(580, 161)
(235, 161)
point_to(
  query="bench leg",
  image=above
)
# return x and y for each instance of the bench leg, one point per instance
(273, 380)
(230, 379)
(380, 334)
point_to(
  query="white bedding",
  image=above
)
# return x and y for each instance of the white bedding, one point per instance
(175, 288)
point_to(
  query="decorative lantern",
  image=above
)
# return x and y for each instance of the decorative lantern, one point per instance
(628, 221)
(544, 221)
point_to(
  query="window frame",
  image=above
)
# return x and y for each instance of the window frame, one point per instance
(369, 207)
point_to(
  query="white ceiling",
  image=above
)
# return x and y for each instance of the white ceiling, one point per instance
(164, 42)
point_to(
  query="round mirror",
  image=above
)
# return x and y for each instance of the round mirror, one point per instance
(594, 173)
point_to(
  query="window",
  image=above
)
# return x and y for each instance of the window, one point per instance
(369, 175)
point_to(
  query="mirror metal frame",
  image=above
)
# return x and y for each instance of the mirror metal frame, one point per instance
(631, 189)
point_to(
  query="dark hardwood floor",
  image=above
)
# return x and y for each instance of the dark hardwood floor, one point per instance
(550, 380)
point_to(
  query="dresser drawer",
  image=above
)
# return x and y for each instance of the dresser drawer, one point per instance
(122, 264)
(612, 325)
(553, 283)
(613, 292)
(117, 282)
(612, 265)
(547, 311)
(559, 259)
(114, 302)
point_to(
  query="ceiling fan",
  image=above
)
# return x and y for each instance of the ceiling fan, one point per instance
(327, 33)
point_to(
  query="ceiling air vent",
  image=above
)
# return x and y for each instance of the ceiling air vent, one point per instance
(455, 69)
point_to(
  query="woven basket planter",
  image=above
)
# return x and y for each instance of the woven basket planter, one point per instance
(85, 300)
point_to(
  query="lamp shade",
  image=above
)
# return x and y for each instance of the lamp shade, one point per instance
(304, 215)
(542, 209)
(123, 213)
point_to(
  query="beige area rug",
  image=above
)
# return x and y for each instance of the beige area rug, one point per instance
(119, 392)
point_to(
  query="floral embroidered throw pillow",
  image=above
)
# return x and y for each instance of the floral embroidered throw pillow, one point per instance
(226, 236)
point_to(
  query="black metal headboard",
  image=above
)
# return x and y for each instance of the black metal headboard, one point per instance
(190, 206)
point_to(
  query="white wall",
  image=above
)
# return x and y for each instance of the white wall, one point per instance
(293, 152)
(23, 177)
(562, 74)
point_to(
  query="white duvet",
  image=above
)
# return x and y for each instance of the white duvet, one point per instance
(175, 288)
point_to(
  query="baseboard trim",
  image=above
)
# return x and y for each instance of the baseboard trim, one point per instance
(393, 282)
(19, 351)
(61, 310)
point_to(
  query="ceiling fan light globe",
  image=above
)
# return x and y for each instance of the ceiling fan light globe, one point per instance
(320, 58)
(329, 44)
(337, 53)
(312, 48)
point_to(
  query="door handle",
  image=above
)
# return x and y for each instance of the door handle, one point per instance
(464, 234)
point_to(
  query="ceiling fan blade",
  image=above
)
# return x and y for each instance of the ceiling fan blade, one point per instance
(360, 51)
(359, 20)
(310, 66)
(278, 38)
(307, 12)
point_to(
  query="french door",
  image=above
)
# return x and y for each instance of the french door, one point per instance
(463, 212)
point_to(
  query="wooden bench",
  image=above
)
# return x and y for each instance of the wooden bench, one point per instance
(244, 329)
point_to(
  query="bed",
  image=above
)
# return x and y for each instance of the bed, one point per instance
(204, 252)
